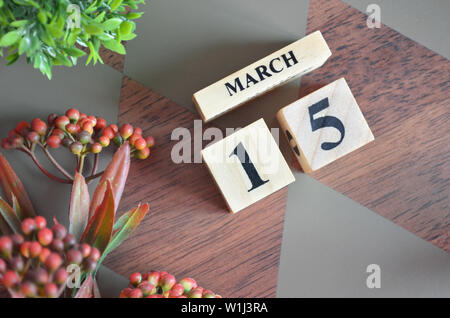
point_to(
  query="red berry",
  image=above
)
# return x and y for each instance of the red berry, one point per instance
(6, 144)
(16, 263)
(39, 276)
(104, 141)
(95, 254)
(82, 115)
(53, 261)
(45, 236)
(125, 292)
(59, 133)
(138, 131)
(155, 296)
(61, 122)
(93, 120)
(41, 222)
(150, 141)
(59, 231)
(69, 241)
(60, 276)
(96, 148)
(188, 284)
(51, 119)
(29, 289)
(153, 278)
(85, 250)
(10, 279)
(44, 255)
(33, 137)
(71, 128)
(74, 257)
(84, 137)
(21, 125)
(17, 239)
(28, 226)
(89, 265)
(143, 153)
(196, 293)
(140, 144)
(108, 132)
(135, 278)
(76, 147)
(126, 131)
(114, 128)
(2, 266)
(133, 138)
(135, 293)
(35, 249)
(53, 141)
(101, 123)
(177, 290)
(25, 249)
(167, 281)
(51, 290)
(88, 127)
(57, 245)
(208, 294)
(73, 114)
(16, 142)
(39, 126)
(147, 288)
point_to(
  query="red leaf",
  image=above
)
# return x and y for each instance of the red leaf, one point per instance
(9, 216)
(79, 206)
(99, 229)
(12, 185)
(116, 173)
(86, 289)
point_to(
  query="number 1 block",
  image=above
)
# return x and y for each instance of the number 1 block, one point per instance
(247, 166)
(324, 125)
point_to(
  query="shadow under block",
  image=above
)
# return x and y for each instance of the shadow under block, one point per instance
(247, 166)
(324, 126)
(288, 63)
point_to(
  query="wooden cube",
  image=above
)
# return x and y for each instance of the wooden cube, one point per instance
(247, 166)
(292, 61)
(324, 125)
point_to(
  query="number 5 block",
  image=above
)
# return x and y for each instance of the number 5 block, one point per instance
(247, 166)
(324, 125)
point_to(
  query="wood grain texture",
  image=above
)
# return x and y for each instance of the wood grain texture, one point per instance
(403, 90)
(189, 231)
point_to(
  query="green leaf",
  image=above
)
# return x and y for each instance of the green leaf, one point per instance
(99, 229)
(116, 173)
(16, 208)
(24, 45)
(126, 224)
(128, 37)
(13, 187)
(125, 28)
(115, 47)
(9, 216)
(79, 207)
(111, 24)
(134, 15)
(115, 4)
(10, 38)
(93, 29)
(19, 23)
(73, 51)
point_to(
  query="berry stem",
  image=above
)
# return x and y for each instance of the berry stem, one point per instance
(55, 163)
(94, 176)
(81, 164)
(44, 171)
(95, 166)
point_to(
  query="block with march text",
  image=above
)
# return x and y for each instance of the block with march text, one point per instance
(247, 166)
(324, 125)
(288, 63)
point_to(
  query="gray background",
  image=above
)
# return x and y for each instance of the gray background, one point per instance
(185, 45)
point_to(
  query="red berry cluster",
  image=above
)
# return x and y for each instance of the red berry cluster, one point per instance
(79, 132)
(163, 285)
(34, 264)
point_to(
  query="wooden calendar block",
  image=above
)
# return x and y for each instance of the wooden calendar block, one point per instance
(247, 166)
(290, 62)
(324, 125)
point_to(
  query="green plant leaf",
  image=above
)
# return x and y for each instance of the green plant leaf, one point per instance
(128, 37)
(115, 47)
(93, 29)
(12, 186)
(126, 224)
(24, 45)
(111, 24)
(9, 216)
(79, 207)
(75, 52)
(19, 23)
(99, 229)
(86, 288)
(10, 38)
(134, 15)
(116, 173)
(115, 4)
